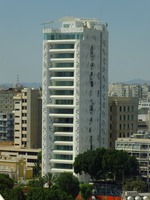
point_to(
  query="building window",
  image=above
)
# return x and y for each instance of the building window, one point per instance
(132, 108)
(124, 117)
(24, 100)
(17, 102)
(24, 114)
(110, 126)
(91, 108)
(24, 128)
(120, 126)
(24, 107)
(124, 108)
(111, 108)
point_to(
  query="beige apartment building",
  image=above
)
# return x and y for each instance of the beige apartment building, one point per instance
(27, 118)
(123, 118)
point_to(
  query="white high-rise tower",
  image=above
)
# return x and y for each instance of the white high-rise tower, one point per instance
(75, 91)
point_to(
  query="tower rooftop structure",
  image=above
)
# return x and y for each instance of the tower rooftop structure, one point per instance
(71, 24)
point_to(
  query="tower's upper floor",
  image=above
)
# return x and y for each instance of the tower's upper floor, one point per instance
(73, 24)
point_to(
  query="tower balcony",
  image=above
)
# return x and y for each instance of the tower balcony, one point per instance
(62, 69)
(61, 50)
(61, 115)
(61, 87)
(61, 41)
(62, 125)
(61, 60)
(63, 133)
(62, 78)
(62, 152)
(62, 97)
(60, 106)
(61, 161)
(64, 143)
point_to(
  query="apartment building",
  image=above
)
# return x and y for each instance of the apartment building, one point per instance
(6, 99)
(123, 118)
(139, 146)
(27, 118)
(6, 113)
(6, 126)
(141, 91)
(75, 91)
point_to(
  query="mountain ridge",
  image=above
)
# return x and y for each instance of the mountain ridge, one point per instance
(25, 84)
(135, 81)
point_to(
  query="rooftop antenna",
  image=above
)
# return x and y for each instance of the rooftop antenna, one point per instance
(18, 82)
(17, 78)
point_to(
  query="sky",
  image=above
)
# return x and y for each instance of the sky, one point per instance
(21, 35)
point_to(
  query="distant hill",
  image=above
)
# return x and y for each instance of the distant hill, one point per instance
(136, 81)
(28, 85)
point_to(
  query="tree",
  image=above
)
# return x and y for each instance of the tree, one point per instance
(36, 194)
(6, 182)
(49, 178)
(36, 182)
(13, 194)
(47, 194)
(90, 162)
(68, 183)
(57, 194)
(135, 185)
(121, 164)
(86, 190)
(101, 162)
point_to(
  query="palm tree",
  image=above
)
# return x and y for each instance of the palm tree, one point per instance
(50, 179)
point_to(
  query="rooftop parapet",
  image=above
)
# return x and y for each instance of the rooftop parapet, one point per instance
(67, 24)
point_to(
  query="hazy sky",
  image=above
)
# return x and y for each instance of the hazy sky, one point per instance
(21, 35)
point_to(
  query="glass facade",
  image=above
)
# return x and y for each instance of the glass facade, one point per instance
(62, 36)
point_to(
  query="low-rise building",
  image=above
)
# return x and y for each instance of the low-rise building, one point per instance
(30, 155)
(15, 168)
